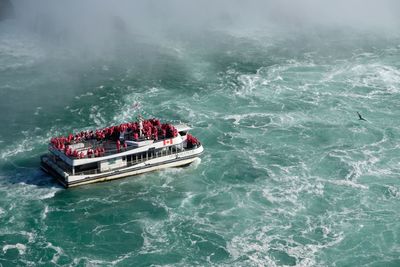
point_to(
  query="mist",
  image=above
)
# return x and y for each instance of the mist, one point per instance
(101, 23)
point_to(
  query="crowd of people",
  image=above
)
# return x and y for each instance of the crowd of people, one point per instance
(147, 129)
(192, 141)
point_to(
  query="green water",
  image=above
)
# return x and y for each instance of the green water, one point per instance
(289, 176)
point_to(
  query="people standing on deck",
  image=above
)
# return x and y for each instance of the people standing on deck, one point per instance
(155, 133)
(118, 145)
(89, 153)
(151, 129)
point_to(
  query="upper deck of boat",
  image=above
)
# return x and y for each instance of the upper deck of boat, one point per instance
(116, 139)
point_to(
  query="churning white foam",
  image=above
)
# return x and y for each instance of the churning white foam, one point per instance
(349, 183)
(20, 247)
(59, 251)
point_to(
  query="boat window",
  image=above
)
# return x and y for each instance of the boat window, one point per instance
(182, 133)
(86, 167)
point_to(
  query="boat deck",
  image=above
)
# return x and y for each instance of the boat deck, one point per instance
(110, 146)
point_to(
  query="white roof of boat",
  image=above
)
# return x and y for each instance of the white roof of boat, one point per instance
(182, 127)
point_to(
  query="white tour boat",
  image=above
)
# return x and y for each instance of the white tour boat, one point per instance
(119, 151)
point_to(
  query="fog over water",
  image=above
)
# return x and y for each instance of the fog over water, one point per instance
(289, 177)
(94, 21)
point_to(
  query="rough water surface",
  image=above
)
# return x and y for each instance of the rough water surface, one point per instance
(290, 176)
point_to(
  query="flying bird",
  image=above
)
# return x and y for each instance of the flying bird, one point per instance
(360, 117)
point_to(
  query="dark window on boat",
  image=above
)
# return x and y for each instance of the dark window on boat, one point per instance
(139, 156)
(123, 158)
(182, 133)
(86, 167)
(152, 152)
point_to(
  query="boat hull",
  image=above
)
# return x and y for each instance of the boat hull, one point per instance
(176, 160)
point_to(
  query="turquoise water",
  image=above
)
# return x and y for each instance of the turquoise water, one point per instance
(289, 177)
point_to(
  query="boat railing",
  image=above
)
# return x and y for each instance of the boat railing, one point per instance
(142, 158)
(109, 151)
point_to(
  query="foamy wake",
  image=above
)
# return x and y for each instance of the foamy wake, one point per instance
(24, 191)
(24, 146)
(28, 143)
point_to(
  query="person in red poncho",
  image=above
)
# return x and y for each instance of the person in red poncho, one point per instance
(118, 145)
(90, 153)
